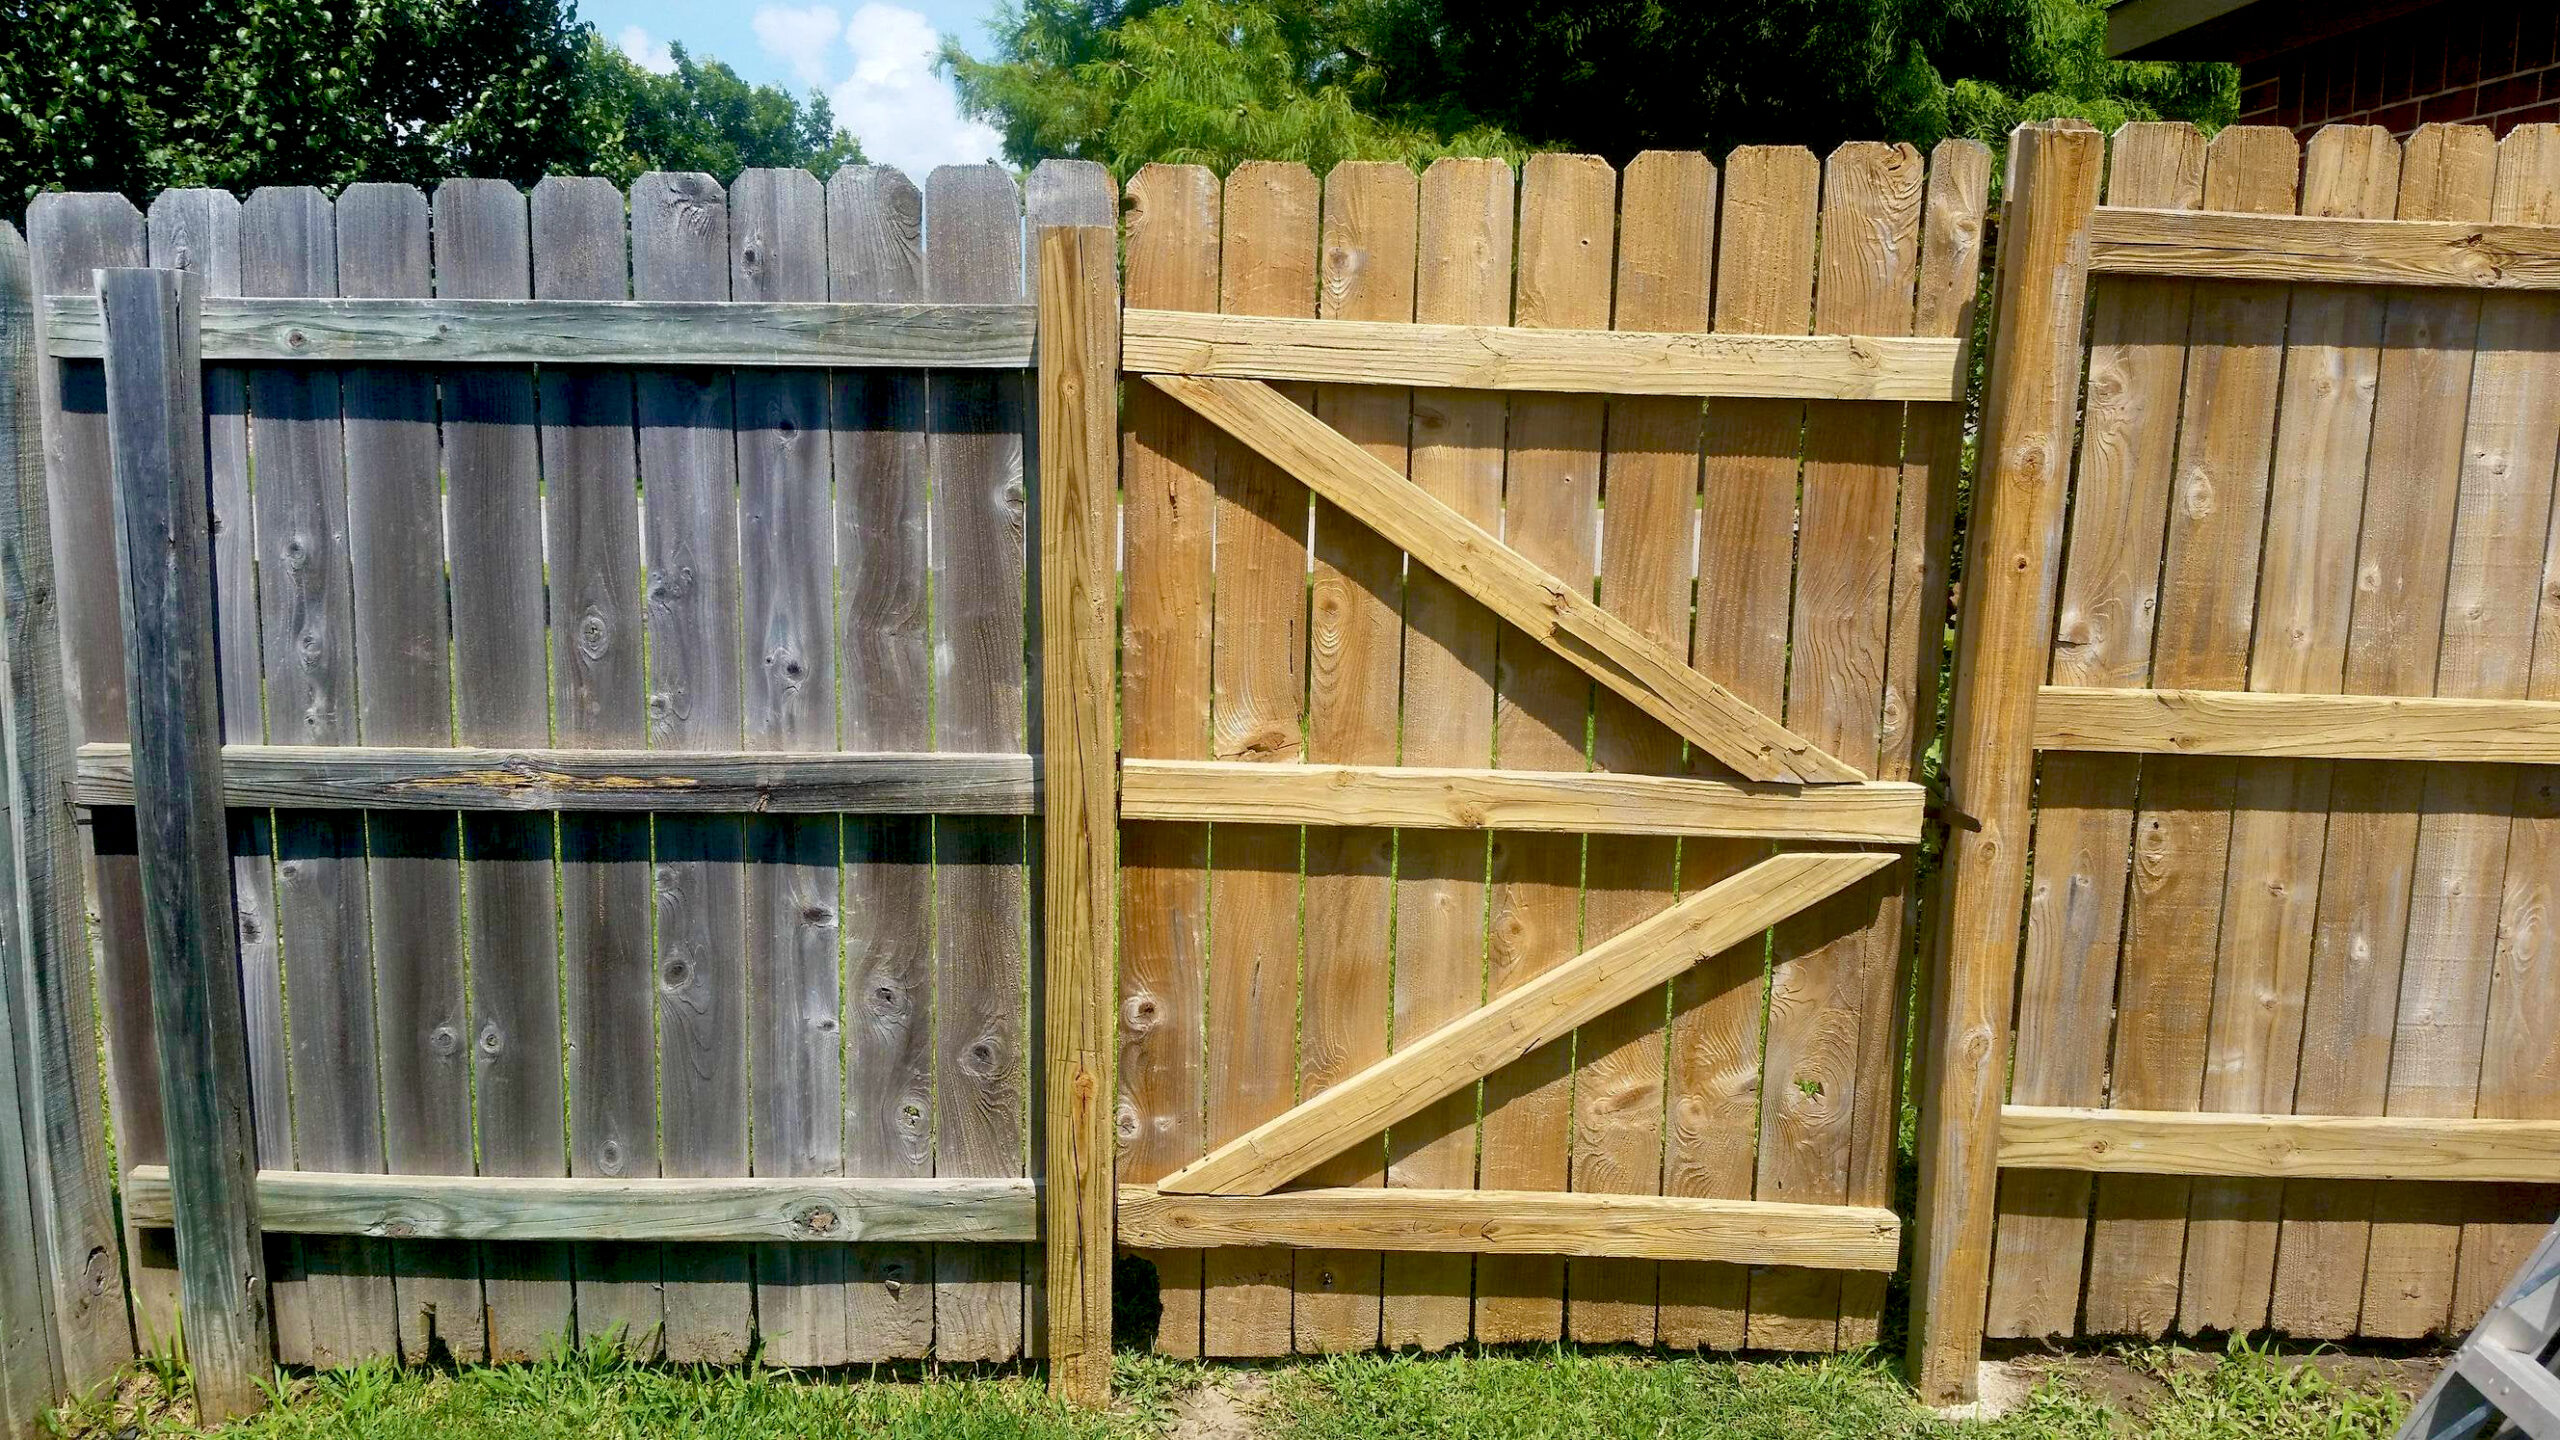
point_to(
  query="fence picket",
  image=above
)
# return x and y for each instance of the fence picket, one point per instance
(875, 247)
(590, 469)
(1166, 468)
(502, 696)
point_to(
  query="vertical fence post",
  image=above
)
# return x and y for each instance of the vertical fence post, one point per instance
(1079, 474)
(2010, 568)
(46, 967)
(155, 425)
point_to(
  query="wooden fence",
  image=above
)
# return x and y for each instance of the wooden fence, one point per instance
(2278, 604)
(637, 680)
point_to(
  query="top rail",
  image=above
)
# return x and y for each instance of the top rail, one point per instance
(1581, 362)
(2215, 245)
(585, 332)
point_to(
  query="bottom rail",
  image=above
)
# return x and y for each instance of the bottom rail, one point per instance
(486, 1207)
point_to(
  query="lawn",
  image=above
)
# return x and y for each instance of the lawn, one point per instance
(2157, 1392)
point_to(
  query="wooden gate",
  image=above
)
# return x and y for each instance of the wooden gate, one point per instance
(2290, 655)
(1435, 561)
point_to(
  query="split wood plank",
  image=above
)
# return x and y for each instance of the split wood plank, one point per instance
(2030, 413)
(1080, 476)
(404, 685)
(1258, 690)
(1464, 246)
(69, 238)
(2425, 247)
(199, 231)
(2503, 603)
(345, 1296)
(561, 331)
(502, 697)
(2395, 644)
(2351, 1147)
(1168, 458)
(785, 523)
(464, 1207)
(1665, 268)
(1365, 277)
(2279, 825)
(1568, 220)
(1523, 1222)
(1933, 443)
(692, 436)
(974, 451)
(1519, 1020)
(2182, 828)
(483, 780)
(1432, 798)
(590, 467)
(1638, 359)
(1544, 605)
(155, 415)
(2270, 725)
(875, 251)
(1832, 991)
(1746, 561)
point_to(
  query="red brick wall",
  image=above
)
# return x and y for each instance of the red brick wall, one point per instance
(2493, 62)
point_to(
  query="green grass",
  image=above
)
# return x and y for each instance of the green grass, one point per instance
(1508, 1395)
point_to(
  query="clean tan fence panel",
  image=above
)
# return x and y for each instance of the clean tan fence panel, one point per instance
(2355, 499)
(1608, 495)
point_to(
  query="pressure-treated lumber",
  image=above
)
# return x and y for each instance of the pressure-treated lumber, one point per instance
(493, 1207)
(2331, 1147)
(1079, 584)
(1521, 1020)
(1428, 798)
(385, 777)
(448, 331)
(1558, 615)
(155, 418)
(1520, 1222)
(1582, 362)
(2344, 727)
(2030, 416)
(2225, 246)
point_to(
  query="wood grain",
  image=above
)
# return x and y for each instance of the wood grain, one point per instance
(563, 331)
(2357, 1147)
(1522, 1222)
(2421, 247)
(1519, 1020)
(2268, 726)
(1625, 361)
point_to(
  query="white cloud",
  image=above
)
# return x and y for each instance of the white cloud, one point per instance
(650, 55)
(904, 112)
(802, 38)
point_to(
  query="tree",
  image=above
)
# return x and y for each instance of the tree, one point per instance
(701, 116)
(137, 95)
(1125, 81)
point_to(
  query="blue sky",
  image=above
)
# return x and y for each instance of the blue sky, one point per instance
(873, 58)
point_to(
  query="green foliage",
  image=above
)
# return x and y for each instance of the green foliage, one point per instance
(1128, 81)
(701, 116)
(1208, 82)
(136, 96)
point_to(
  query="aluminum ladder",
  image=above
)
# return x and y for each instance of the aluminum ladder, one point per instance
(2500, 1381)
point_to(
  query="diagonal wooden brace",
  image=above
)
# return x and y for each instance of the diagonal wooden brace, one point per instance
(1582, 989)
(1557, 615)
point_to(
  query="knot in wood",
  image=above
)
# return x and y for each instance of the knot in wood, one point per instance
(819, 1219)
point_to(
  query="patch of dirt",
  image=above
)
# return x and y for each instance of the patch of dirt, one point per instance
(2129, 1389)
(1223, 1407)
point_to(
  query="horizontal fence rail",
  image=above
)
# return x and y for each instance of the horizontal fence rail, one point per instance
(489, 1207)
(2446, 729)
(836, 336)
(459, 779)
(2321, 249)
(2316, 1147)
(1591, 362)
